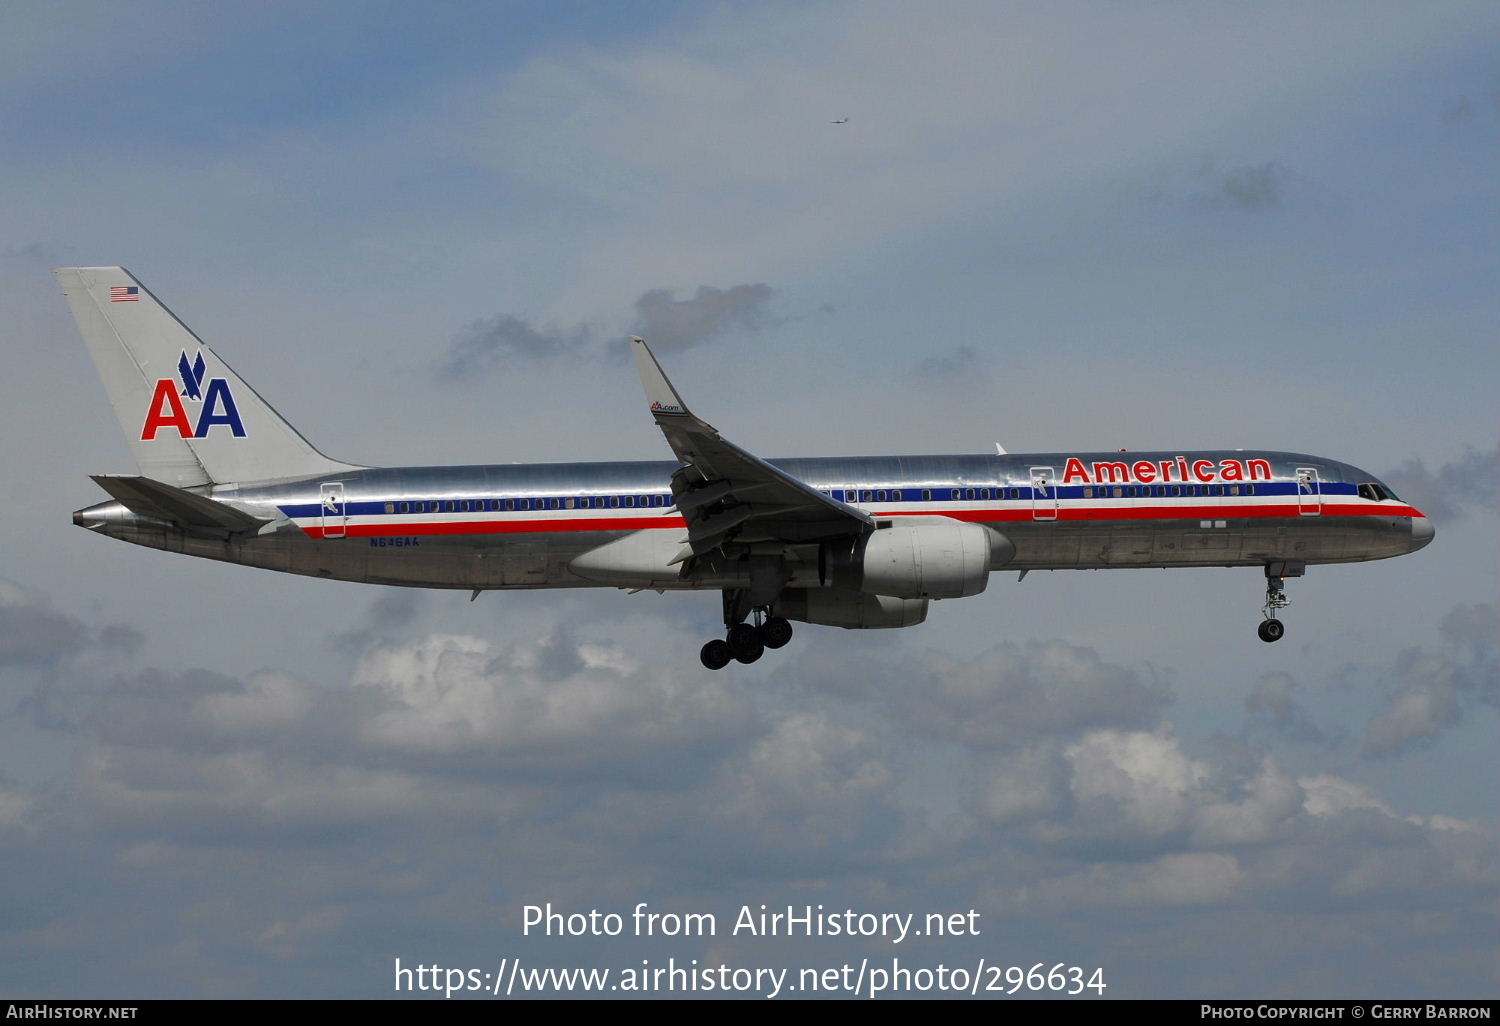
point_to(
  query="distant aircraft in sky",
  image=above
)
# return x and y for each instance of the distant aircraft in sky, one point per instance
(839, 121)
(855, 542)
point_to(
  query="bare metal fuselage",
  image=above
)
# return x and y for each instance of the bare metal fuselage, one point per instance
(534, 526)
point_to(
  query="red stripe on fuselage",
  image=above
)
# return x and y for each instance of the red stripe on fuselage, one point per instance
(1095, 514)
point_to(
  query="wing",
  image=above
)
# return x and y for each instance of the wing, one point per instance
(728, 496)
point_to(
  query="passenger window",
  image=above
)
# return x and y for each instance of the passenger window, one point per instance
(406, 507)
(1119, 492)
(1234, 489)
(955, 495)
(390, 507)
(926, 494)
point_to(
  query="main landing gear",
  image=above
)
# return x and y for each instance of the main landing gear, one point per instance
(747, 642)
(1271, 629)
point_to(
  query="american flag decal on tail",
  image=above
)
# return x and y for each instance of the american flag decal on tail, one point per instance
(124, 294)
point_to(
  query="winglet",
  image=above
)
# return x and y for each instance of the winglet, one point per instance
(664, 400)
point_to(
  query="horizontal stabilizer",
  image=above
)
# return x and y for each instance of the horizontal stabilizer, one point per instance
(153, 499)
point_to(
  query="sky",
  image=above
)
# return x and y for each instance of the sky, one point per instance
(423, 234)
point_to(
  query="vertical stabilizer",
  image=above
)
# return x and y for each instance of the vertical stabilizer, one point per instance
(189, 418)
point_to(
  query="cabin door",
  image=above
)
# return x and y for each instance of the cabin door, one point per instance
(1309, 492)
(1043, 494)
(334, 520)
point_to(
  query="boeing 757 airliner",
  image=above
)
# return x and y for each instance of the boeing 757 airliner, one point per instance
(856, 542)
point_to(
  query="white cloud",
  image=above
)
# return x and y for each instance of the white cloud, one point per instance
(549, 700)
(270, 700)
(1145, 775)
(1429, 692)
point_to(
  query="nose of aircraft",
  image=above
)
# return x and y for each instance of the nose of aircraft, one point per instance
(1421, 532)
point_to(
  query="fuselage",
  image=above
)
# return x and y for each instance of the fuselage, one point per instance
(534, 526)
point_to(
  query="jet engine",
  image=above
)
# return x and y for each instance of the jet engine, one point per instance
(849, 609)
(931, 558)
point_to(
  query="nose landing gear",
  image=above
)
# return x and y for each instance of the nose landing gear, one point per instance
(1271, 629)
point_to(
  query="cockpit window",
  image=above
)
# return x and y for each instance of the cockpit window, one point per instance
(1375, 491)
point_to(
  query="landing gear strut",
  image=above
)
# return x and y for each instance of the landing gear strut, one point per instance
(1271, 629)
(746, 641)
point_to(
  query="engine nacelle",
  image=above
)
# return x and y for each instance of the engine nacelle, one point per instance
(931, 558)
(853, 610)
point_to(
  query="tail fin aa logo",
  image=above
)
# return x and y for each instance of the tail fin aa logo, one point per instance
(191, 375)
(167, 409)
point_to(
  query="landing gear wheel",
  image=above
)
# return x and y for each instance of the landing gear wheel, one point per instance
(775, 632)
(1270, 630)
(751, 654)
(715, 655)
(744, 643)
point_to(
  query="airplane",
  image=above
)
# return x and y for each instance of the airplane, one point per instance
(855, 542)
